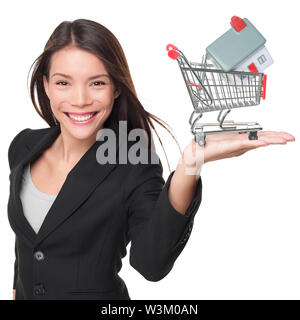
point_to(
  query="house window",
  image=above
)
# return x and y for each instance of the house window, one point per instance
(262, 59)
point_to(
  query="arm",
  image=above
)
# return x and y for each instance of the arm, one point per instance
(182, 188)
(186, 177)
(158, 232)
(160, 216)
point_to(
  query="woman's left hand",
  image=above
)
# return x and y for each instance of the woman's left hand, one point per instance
(229, 144)
(218, 146)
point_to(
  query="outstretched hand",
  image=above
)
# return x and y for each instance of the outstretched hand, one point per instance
(230, 144)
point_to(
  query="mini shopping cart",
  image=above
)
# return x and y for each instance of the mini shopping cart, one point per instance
(212, 89)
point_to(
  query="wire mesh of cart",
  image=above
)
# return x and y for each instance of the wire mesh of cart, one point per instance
(212, 89)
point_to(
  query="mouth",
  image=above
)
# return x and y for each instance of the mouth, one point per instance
(81, 118)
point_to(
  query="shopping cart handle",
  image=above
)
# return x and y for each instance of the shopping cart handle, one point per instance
(172, 51)
(173, 54)
(264, 87)
(171, 47)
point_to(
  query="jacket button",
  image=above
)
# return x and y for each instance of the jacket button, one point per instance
(39, 289)
(39, 255)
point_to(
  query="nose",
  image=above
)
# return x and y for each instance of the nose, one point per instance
(80, 97)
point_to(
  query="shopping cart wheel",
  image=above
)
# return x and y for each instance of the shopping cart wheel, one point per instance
(200, 139)
(252, 135)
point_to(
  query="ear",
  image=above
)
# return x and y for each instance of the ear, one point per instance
(116, 93)
(45, 85)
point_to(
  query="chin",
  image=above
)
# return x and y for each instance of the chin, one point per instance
(80, 132)
(83, 136)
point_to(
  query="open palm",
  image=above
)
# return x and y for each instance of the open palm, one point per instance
(230, 144)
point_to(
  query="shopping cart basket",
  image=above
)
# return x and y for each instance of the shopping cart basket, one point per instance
(212, 89)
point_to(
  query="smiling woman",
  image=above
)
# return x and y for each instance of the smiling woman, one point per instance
(74, 250)
(83, 66)
(82, 214)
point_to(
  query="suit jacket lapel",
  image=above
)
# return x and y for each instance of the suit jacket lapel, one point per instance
(33, 150)
(85, 176)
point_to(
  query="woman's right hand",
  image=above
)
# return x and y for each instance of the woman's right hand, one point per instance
(14, 294)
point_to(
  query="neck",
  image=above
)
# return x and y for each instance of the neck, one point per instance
(70, 149)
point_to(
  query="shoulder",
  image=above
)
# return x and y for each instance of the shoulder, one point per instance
(33, 136)
(22, 142)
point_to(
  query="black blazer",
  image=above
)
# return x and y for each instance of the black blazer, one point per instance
(78, 250)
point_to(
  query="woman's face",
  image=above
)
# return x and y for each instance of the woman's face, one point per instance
(80, 91)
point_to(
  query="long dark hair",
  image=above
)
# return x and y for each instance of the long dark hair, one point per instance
(95, 38)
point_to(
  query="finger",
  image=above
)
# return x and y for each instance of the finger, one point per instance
(273, 139)
(244, 135)
(265, 139)
(282, 134)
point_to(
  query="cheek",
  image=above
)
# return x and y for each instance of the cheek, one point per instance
(105, 99)
(102, 95)
(57, 98)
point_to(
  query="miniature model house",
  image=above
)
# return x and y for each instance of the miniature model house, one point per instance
(241, 48)
(258, 61)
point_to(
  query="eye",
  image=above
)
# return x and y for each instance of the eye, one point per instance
(61, 82)
(97, 83)
(101, 82)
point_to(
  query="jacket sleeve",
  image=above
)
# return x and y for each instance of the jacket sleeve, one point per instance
(158, 232)
(12, 159)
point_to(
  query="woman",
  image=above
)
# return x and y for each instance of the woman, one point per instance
(73, 216)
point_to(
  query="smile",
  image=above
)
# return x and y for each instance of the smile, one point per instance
(81, 118)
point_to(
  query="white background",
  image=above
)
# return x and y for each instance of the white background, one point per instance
(245, 240)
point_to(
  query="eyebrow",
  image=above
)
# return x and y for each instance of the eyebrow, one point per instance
(90, 78)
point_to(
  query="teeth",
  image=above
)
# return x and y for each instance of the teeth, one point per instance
(81, 118)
